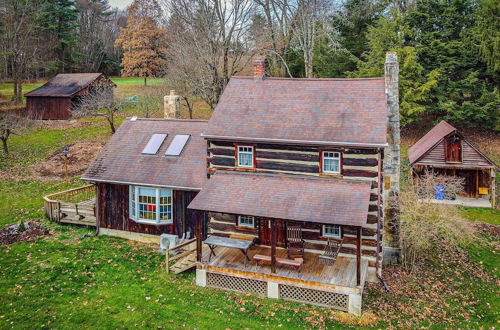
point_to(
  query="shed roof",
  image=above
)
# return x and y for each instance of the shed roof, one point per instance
(303, 111)
(429, 140)
(289, 197)
(122, 159)
(65, 84)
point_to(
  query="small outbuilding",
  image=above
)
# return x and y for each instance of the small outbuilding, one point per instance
(57, 98)
(445, 151)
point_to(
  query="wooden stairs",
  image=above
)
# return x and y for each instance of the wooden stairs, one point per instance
(181, 258)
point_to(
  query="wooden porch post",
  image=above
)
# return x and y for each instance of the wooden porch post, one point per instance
(273, 246)
(358, 257)
(198, 215)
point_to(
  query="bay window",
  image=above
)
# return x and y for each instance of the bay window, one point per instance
(150, 205)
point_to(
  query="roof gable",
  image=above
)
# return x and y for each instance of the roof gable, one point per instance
(65, 84)
(344, 111)
(429, 140)
(122, 159)
(430, 149)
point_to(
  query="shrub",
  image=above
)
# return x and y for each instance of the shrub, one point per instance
(428, 226)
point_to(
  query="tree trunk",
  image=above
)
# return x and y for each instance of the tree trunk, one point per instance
(111, 121)
(145, 81)
(189, 106)
(4, 144)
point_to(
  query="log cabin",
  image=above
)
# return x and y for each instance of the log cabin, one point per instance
(290, 172)
(56, 98)
(445, 151)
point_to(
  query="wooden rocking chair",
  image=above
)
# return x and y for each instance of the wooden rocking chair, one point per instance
(332, 249)
(295, 242)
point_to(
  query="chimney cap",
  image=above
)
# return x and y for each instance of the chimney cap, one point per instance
(391, 57)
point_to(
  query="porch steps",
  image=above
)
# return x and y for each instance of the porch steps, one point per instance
(184, 264)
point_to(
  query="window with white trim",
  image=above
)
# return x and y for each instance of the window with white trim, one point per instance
(246, 221)
(332, 231)
(245, 156)
(150, 205)
(331, 162)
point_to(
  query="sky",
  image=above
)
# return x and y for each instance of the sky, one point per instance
(122, 4)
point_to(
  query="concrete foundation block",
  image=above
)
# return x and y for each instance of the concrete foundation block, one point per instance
(354, 304)
(273, 290)
(201, 277)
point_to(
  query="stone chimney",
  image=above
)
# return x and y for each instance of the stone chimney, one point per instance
(171, 106)
(259, 69)
(391, 170)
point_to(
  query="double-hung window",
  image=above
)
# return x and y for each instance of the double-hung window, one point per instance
(246, 221)
(150, 205)
(245, 156)
(331, 162)
(333, 231)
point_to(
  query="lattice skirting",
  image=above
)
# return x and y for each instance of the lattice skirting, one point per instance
(316, 297)
(236, 283)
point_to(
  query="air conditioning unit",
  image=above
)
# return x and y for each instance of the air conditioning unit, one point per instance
(168, 241)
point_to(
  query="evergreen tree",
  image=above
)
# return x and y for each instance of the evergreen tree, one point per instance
(441, 74)
(58, 18)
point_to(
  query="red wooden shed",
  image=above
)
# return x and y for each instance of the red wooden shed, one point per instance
(55, 99)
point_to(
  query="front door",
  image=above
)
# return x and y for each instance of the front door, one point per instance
(265, 232)
(470, 182)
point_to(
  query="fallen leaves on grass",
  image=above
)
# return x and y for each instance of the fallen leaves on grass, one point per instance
(434, 293)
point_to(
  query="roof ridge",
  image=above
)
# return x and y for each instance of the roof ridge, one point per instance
(311, 79)
(293, 176)
(170, 119)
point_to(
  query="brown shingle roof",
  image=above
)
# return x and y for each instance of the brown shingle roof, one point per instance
(65, 84)
(345, 111)
(286, 197)
(122, 161)
(429, 140)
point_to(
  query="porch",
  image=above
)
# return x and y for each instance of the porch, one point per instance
(341, 274)
(331, 286)
(463, 201)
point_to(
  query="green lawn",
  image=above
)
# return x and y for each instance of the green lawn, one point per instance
(69, 280)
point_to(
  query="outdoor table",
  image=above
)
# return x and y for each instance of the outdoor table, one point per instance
(240, 244)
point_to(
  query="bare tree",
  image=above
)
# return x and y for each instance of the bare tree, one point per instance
(98, 102)
(280, 16)
(17, 40)
(208, 43)
(12, 123)
(311, 21)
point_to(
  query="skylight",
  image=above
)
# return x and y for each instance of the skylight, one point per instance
(154, 144)
(177, 145)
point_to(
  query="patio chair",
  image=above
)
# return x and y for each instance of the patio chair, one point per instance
(331, 252)
(295, 242)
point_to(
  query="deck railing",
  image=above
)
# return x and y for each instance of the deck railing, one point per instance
(52, 202)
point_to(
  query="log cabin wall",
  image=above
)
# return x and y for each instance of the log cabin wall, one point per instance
(357, 163)
(113, 200)
(226, 225)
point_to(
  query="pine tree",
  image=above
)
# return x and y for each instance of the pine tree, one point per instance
(143, 41)
(58, 18)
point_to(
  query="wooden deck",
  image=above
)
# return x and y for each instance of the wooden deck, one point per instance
(74, 206)
(341, 274)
